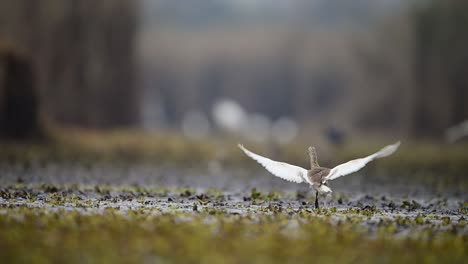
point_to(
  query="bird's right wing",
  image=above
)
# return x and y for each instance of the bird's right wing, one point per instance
(279, 169)
(357, 164)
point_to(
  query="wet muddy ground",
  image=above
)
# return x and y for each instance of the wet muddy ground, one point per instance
(147, 214)
(372, 202)
(439, 214)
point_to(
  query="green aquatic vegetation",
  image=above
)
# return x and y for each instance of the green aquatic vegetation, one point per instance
(272, 196)
(323, 211)
(174, 207)
(186, 192)
(387, 229)
(86, 204)
(159, 191)
(273, 208)
(403, 221)
(215, 193)
(305, 213)
(410, 206)
(353, 210)
(367, 212)
(49, 188)
(254, 194)
(203, 199)
(213, 211)
(392, 205)
(462, 222)
(261, 197)
(415, 205)
(419, 219)
(442, 202)
(56, 199)
(257, 202)
(103, 190)
(406, 205)
(6, 194)
(141, 191)
(208, 226)
(446, 220)
(431, 216)
(75, 200)
(32, 199)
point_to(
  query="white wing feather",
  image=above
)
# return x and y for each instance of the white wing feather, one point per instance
(279, 169)
(357, 164)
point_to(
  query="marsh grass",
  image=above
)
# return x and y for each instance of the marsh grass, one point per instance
(418, 162)
(88, 147)
(41, 236)
(75, 223)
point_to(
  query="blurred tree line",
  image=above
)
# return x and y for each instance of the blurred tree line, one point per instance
(407, 75)
(441, 66)
(74, 62)
(71, 61)
(422, 62)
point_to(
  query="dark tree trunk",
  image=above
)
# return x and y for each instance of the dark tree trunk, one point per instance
(20, 106)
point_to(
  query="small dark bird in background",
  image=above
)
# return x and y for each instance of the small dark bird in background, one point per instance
(335, 136)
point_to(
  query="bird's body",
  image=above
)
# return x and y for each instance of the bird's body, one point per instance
(317, 177)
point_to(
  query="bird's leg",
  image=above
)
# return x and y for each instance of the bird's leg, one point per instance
(316, 200)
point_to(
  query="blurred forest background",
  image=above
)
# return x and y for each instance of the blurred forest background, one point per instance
(386, 67)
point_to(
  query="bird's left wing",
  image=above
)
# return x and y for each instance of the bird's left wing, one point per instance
(357, 164)
(279, 169)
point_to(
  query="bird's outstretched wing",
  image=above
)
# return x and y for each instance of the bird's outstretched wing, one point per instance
(279, 169)
(357, 164)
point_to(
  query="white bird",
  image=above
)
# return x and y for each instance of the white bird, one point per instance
(317, 176)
